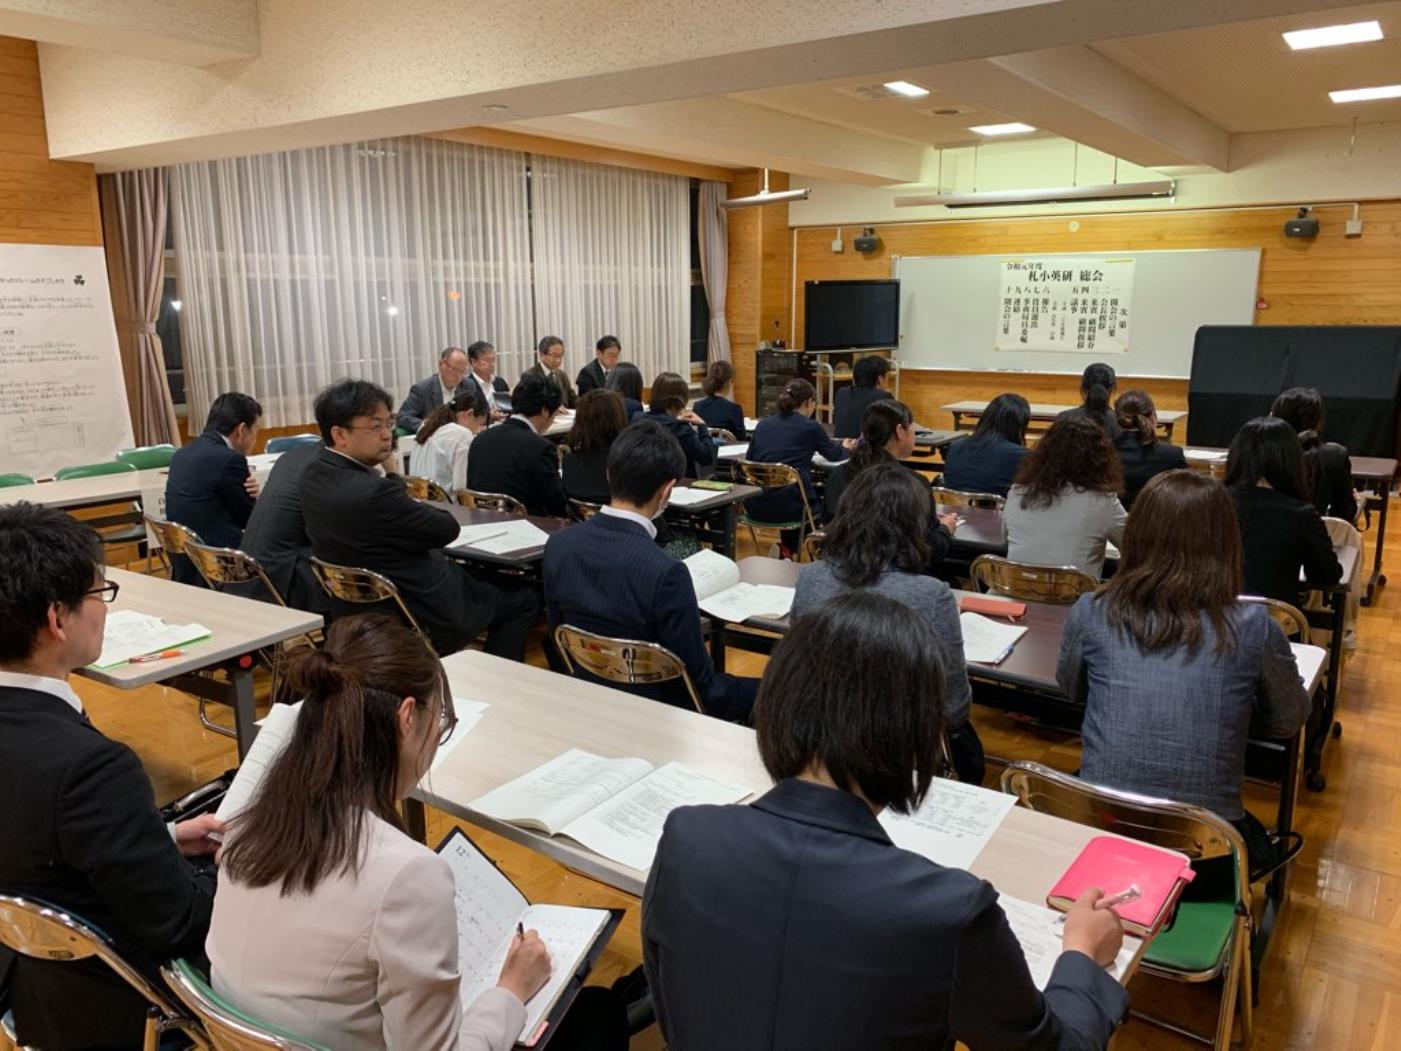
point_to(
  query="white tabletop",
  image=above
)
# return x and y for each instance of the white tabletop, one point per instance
(236, 626)
(1044, 412)
(85, 492)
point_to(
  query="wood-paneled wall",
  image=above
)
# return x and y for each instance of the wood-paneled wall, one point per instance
(760, 278)
(1331, 279)
(41, 201)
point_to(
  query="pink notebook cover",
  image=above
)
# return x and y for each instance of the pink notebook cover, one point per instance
(1112, 864)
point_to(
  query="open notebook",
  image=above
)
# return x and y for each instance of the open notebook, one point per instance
(987, 641)
(615, 807)
(488, 909)
(501, 538)
(129, 634)
(720, 593)
(1039, 930)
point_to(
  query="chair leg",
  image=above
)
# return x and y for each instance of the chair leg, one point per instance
(150, 1039)
(1247, 993)
(1225, 1016)
(212, 726)
(754, 536)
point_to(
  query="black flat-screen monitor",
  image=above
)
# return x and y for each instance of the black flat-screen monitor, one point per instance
(856, 315)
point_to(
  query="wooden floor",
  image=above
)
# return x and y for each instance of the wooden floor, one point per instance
(1333, 976)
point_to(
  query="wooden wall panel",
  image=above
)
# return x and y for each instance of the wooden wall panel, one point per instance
(758, 296)
(1328, 280)
(41, 201)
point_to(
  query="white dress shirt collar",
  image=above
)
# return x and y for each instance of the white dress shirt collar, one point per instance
(43, 684)
(630, 516)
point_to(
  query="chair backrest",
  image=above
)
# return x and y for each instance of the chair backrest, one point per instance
(92, 470)
(582, 510)
(1020, 580)
(623, 661)
(1187, 829)
(147, 456)
(425, 488)
(720, 433)
(361, 587)
(959, 498)
(291, 441)
(222, 566)
(490, 502)
(8, 481)
(46, 932)
(228, 1028)
(775, 476)
(174, 538)
(1290, 618)
(812, 545)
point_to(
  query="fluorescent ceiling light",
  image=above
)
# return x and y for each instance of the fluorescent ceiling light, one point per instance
(765, 197)
(1002, 129)
(1388, 91)
(1331, 36)
(904, 87)
(1054, 195)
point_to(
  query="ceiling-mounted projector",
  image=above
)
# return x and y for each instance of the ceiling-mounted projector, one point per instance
(1117, 191)
(765, 197)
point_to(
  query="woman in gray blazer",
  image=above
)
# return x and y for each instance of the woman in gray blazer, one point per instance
(796, 923)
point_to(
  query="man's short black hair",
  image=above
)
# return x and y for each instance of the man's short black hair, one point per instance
(479, 348)
(605, 342)
(229, 410)
(856, 685)
(643, 459)
(339, 404)
(45, 557)
(868, 371)
(547, 343)
(535, 394)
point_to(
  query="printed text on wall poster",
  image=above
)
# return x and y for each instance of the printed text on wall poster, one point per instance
(1065, 303)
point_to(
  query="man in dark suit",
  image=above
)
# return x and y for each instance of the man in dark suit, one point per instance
(870, 381)
(78, 823)
(209, 488)
(608, 576)
(357, 516)
(482, 357)
(276, 534)
(427, 395)
(515, 458)
(594, 375)
(549, 356)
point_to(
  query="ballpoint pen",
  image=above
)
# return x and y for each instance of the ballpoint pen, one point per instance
(148, 657)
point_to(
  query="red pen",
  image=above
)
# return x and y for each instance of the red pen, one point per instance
(146, 658)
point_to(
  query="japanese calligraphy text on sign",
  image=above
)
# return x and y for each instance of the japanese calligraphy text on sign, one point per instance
(1065, 303)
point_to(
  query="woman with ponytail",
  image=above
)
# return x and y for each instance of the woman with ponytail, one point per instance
(330, 921)
(1327, 465)
(1096, 388)
(1140, 452)
(445, 437)
(792, 436)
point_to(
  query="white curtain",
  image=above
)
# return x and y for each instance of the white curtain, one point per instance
(713, 233)
(363, 260)
(613, 257)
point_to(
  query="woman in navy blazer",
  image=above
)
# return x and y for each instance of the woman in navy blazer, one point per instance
(839, 938)
(626, 380)
(670, 393)
(1142, 455)
(718, 408)
(792, 436)
(987, 460)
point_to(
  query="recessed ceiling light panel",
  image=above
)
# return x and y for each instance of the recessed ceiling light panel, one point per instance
(1331, 36)
(905, 89)
(1015, 128)
(1386, 91)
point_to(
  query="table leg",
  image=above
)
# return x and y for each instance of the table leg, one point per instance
(717, 646)
(245, 713)
(1377, 579)
(1337, 604)
(729, 519)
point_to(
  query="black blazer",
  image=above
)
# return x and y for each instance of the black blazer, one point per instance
(1105, 419)
(512, 458)
(1142, 462)
(566, 389)
(1280, 535)
(721, 412)
(608, 576)
(276, 535)
(1329, 469)
(591, 377)
(851, 405)
(695, 440)
(790, 439)
(357, 517)
(204, 492)
(586, 476)
(424, 397)
(985, 466)
(80, 830)
(842, 940)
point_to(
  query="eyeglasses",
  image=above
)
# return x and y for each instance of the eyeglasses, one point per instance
(447, 723)
(108, 591)
(376, 427)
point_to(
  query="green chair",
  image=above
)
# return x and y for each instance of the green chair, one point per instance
(147, 456)
(772, 476)
(1207, 939)
(92, 470)
(132, 531)
(291, 441)
(8, 481)
(227, 1028)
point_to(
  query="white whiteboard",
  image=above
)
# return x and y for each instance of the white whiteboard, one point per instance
(949, 310)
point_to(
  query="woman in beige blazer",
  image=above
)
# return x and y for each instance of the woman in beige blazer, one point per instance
(329, 920)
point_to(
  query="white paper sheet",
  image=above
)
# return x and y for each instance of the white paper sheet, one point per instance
(1205, 455)
(953, 824)
(274, 734)
(985, 640)
(628, 827)
(501, 538)
(557, 792)
(738, 603)
(711, 572)
(129, 634)
(1039, 931)
(732, 452)
(469, 713)
(685, 497)
(1310, 660)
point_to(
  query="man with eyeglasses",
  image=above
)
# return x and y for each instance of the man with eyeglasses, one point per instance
(78, 823)
(549, 361)
(427, 395)
(357, 516)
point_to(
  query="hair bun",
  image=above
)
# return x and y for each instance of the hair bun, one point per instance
(317, 674)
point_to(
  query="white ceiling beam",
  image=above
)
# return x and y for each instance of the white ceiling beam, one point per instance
(189, 33)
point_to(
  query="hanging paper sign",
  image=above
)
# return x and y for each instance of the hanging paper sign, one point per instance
(1063, 303)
